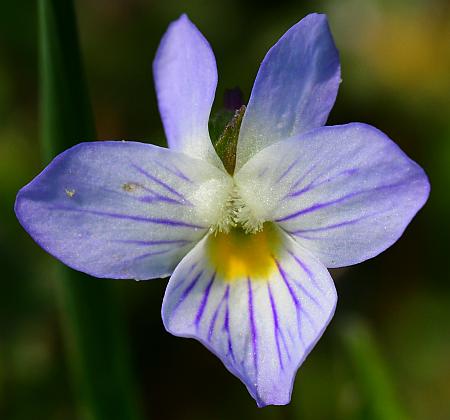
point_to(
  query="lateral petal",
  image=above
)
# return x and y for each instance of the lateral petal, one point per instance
(121, 209)
(346, 192)
(261, 325)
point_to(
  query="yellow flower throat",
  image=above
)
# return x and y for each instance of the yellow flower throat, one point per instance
(239, 255)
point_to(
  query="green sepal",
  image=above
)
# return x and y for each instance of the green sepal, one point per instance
(226, 144)
(217, 123)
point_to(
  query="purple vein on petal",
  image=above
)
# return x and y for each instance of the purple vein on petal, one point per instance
(262, 171)
(158, 198)
(156, 220)
(153, 198)
(276, 329)
(300, 232)
(285, 280)
(287, 170)
(150, 254)
(300, 310)
(303, 177)
(286, 348)
(253, 330)
(319, 206)
(182, 282)
(226, 324)
(292, 294)
(298, 282)
(307, 271)
(216, 313)
(174, 171)
(188, 290)
(158, 181)
(153, 243)
(204, 301)
(336, 163)
(314, 184)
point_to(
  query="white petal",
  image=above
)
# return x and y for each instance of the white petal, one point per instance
(122, 209)
(261, 323)
(295, 88)
(186, 77)
(345, 192)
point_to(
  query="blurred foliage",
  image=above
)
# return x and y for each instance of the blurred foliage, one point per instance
(395, 63)
(90, 314)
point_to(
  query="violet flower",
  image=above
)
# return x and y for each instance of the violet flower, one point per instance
(248, 251)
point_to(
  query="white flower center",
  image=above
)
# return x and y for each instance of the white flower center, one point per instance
(237, 214)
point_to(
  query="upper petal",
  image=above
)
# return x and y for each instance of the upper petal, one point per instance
(185, 76)
(295, 88)
(345, 192)
(260, 316)
(121, 209)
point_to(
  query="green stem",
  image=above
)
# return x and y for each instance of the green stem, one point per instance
(92, 324)
(371, 373)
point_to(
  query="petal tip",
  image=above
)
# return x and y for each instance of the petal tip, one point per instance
(183, 20)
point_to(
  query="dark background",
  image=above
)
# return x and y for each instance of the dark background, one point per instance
(391, 328)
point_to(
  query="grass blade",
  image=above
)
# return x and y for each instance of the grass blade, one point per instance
(93, 328)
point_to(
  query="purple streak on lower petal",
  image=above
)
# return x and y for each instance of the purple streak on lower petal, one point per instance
(158, 181)
(216, 313)
(294, 297)
(308, 294)
(204, 301)
(291, 293)
(244, 370)
(252, 326)
(226, 324)
(286, 282)
(319, 206)
(153, 220)
(286, 348)
(301, 287)
(291, 337)
(187, 276)
(187, 291)
(276, 328)
(310, 320)
(307, 271)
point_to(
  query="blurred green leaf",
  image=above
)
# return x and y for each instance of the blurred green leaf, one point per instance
(92, 324)
(371, 373)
